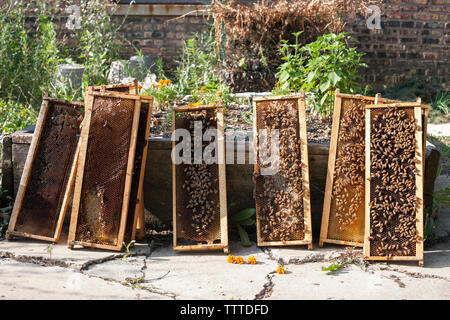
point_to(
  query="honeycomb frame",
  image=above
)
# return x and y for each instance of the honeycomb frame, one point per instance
(124, 186)
(305, 235)
(41, 133)
(332, 231)
(220, 242)
(393, 250)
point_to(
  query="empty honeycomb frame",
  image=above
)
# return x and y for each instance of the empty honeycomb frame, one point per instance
(186, 236)
(299, 230)
(48, 174)
(395, 223)
(105, 170)
(137, 200)
(347, 138)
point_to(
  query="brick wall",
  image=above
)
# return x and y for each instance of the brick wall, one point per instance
(413, 41)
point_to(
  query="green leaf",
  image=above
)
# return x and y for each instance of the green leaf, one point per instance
(334, 78)
(245, 241)
(325, 85)
(243, 215)
(333, 267)
(247, 222)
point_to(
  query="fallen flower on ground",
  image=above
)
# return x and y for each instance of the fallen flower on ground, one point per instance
(280, 270)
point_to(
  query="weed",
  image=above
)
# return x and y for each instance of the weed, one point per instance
(243, 219)
(127, 248)
(49, 250)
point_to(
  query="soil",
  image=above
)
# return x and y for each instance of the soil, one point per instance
(240, 118)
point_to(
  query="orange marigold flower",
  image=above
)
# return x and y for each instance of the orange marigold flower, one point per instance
(167, 81)
(161, 81)
(240, 260)
(251, 260)
(231, 259)
(280, 270)
(219, 93)
(203, 88)
(139, 86)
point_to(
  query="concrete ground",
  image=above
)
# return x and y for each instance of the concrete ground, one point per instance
(29, 271)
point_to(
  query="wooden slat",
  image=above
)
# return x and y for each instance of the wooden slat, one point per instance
(174, 183)
(68, 191)
(366, 247)
(330, 169)
(28, 166)
(222, 179)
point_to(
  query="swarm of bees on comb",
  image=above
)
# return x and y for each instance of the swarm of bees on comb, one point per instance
(281, 216)
(392, 181)
(348, 188)
(200, 184)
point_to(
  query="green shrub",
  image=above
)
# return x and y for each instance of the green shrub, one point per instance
(28, 59)
(320, 67)
(15, 117)
(198, 65)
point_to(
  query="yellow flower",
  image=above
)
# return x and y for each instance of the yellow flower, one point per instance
(240, 260)
(280, 270)
(167, 81)
(231, 259)
(139, 87)
(219, 93)
(330, 92)
(197, 104)
(213, 103)
(277, 84)
(251, 260)
(161, 81)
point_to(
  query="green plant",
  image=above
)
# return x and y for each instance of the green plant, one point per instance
(99, 44)
(15, 116)
(213, 94)
(28, 59)
(49, 250)
(442, 103)
(198, 65)
(243, 219)
(320, 67)
(127, 248)
(163, 95)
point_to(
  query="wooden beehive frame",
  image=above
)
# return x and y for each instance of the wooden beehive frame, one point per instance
(305, 170)
(335, 132)
(26, 175)
(89, 102)
(132, 87)
(223, 245)
(418, 116)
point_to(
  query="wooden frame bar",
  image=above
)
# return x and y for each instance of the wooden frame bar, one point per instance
(90, 97)
(328, 198)
(223, 245)
(301, 102)
(28, 168)
(417, 107)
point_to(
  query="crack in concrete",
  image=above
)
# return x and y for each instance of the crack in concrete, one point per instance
(267, 290)
(415, 275)
(44, 262)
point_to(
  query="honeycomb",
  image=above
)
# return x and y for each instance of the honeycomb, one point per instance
(50, 171)
(393, 201)
(106, 162)
(279, 197)
(197, 187)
